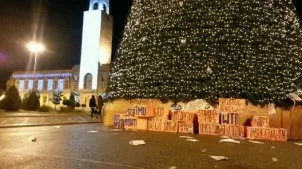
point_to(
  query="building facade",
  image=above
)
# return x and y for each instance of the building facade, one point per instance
(46, 82)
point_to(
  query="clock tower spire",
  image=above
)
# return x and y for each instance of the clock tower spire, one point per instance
(96, 47)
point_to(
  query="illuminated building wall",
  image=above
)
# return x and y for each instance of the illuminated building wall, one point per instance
(96, 42)
(46, 82)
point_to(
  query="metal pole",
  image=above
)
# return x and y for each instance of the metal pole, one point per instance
(35, 64)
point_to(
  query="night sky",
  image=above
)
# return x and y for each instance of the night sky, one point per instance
(58, 23)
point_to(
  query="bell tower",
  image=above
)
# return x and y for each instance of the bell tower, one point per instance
(99, 5)
(96, 45)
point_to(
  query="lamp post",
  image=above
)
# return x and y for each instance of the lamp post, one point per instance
(36, 48)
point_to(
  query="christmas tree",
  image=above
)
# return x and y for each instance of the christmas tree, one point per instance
(187, 49)
(74, 99)
(12, 100)
(56, 98)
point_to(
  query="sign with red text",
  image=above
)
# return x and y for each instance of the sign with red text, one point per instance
(260, 121)
(170, 126)
(273, 134)
(231, 105)
(208, 116)
(235, 131)
(159, 112)
(155, 124)
(117, 121)
(185, 127)
(229, 118)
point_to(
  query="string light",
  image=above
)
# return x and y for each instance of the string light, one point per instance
(184, 50)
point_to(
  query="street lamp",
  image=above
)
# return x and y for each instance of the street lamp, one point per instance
(36, 48)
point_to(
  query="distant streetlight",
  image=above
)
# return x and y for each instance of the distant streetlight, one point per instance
(36, 48)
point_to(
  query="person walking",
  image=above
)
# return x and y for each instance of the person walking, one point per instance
(100, 106)
(92, 105)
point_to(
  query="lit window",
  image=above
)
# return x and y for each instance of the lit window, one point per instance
(49, 84)
(21, 85)
(40, 84)
(30, 85)
(66, 84)
(76, 85)
(61, 84)
(88, 81)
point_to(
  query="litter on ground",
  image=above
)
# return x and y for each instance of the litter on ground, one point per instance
(137, 142)
(219, 158)
(229, 140)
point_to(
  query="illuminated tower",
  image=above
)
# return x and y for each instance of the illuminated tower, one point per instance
(96, 45)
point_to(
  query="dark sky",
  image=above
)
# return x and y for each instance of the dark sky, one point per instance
(59, 24)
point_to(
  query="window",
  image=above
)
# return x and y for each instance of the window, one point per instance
(45, 85)
(30, 85)
(40, 84)
(66, 84)
(61, 84)
(96, 6)
(21, 85)
(88, 81)
(50, 84)
(104, 7)
(76, 85)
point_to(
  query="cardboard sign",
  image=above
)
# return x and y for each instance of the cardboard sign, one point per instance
(229, 118)
(117, 123)
(260, 121)
(231, 105)
(139, 111)
(170, 126)
(272, 134)
(185, 127)
(142, 124)
(271, 109)
(159, 112)
(208, 116)
(130, 122)
(182, 116)
(178, 116)
(189, 117)
(155, 124)
(235, 131)
(196, 105)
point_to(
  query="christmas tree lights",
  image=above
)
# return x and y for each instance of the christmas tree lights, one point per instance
(183, 50)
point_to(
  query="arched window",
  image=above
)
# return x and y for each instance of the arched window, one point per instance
(88, 81)
(104, 7)
(96, 6)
